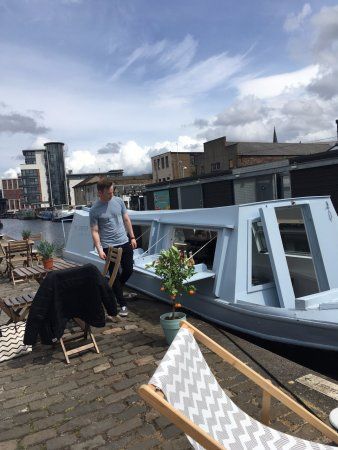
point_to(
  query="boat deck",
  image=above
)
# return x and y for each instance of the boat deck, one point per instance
(92, 403)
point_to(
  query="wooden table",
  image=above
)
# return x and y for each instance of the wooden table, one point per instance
(38, 273)
(17, 308)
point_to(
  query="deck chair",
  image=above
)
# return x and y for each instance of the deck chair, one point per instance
(18, 252)
(185, 391)
(114, 256)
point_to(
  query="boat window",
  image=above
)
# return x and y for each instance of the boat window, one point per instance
(261, 272)
(292, 230)
(297, 250)
(142, 233)
(197, 240)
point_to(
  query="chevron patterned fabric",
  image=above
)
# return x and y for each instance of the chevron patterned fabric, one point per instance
(11, 341)
(189, 386)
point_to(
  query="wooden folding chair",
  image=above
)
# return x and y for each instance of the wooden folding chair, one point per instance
(17, 252)
(38, 237)
(3, 259)
(113, 257)
(78, 337)
(186, 392)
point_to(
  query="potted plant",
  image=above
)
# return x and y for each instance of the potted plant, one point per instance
(46, 251)
(174, 268)
(26, 234)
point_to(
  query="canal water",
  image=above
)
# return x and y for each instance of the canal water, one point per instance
(52, 231)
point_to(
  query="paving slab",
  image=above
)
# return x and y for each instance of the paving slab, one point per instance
(93, 402)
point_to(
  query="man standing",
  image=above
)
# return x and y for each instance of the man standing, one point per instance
(110, 223)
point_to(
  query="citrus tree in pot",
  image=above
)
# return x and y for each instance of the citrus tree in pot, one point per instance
(46, 251)
(174, 269)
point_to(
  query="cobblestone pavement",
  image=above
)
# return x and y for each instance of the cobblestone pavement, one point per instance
(93, 402)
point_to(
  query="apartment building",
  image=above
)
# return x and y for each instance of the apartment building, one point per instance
(44, 176)
(34, 179)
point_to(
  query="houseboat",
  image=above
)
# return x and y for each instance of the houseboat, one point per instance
(268, 269)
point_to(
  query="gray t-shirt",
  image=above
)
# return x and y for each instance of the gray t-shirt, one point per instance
(108, 217)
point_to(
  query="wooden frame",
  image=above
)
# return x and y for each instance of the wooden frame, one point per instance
(34, 253)
(86, 331)
(156, 398)
(17, 308)
(17, 251)
(114, 256)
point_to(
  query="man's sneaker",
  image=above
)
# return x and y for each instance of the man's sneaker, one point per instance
(123, 312)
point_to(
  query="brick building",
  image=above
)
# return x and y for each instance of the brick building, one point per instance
(173, 165)
(12, 192)
(221, 155)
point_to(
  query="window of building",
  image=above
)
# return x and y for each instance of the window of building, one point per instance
(162, 163)
(158, 163)
(192, 240)
(167, 161)
(4, 184)
(231, 163)
(215, 166)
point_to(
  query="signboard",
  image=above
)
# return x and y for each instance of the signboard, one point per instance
(162, 199)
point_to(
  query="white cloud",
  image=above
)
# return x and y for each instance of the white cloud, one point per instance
(198, 79)
(274, 85)
(295, 21)
(179, 57)
(146, 51)
(131, 157)
(165, 54)
(11, 173)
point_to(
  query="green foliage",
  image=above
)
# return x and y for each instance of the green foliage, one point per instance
(46, 249)
(174, 269)
(26, 234)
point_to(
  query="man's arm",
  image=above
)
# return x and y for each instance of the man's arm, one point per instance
(129, 228)
(97, 241)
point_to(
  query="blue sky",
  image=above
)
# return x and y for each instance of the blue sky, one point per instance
(119, 81)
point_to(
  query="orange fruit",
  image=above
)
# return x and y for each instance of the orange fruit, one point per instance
(162, 288)
(178, 305)
(191, 292)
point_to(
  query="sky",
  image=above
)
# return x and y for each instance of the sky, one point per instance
(119, 81)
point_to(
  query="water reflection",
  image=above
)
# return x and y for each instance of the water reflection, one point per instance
(52, 231)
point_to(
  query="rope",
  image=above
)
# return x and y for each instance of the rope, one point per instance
(141, 256)
(139, 237)
(190, 257)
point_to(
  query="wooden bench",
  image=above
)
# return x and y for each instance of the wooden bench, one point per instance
(17, 308)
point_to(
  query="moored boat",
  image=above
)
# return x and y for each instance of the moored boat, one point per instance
(45, 215)
(268, 269)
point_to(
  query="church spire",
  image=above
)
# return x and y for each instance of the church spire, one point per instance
(275, 141)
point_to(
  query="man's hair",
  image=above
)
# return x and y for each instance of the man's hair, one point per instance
(104, 183)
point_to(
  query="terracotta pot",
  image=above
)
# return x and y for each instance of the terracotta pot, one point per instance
(48, 263)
